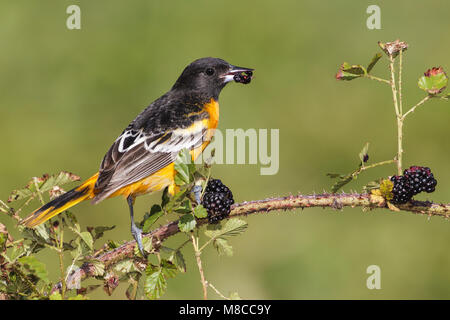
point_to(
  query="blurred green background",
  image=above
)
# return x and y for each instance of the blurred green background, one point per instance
(66, 95)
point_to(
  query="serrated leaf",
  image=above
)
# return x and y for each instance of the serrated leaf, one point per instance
(374, 61)
(168, 269)
(433, 84)
(37, 267)
(58, 180)
(44, 183)
(200, 212)
(232, 227)
(20, 194)
(223, 247)
(187, 223)
(176, 256)
(155, 283)
(125, 266)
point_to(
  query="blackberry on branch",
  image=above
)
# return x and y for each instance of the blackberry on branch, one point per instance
(217, 200)
(401, 190)
(216, 186)
(413, 181)
(420, 179)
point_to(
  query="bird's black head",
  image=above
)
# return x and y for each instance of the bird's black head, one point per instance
(208, 76)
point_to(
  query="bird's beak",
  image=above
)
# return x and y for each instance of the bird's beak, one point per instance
(234, 70)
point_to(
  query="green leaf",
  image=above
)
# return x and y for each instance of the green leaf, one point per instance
(371, 186)
(374, 61)
(187, 223)
(363, 152)
(349, 72)
(168, 269)
(232, 227)
(99, 231)
(87, 238)
(132, 289)
(156, 278)
(177, 257)
(175, 201)
(185, 207)
(20, 194)
(42, 231)
(343, 180)
(99, 267)
(155, 213)
(184, 167)
(45, 183)
(125, 266)
(433, 84)
(37, 267)
(200, 212)
(155, 284)
(58, 180)
(223, 247)
(3, 239)
(179, 261)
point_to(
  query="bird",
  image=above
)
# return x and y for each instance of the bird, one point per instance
(141, 159)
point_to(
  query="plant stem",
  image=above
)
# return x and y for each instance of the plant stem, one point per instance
(218, 292)
(421, 102)
(200, 268)
(374, 165)
(400, 68)
(59, 245)
(369, 76)
(398, 115)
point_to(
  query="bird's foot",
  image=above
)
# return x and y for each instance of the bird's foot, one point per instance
(137, 234)
(197, 191)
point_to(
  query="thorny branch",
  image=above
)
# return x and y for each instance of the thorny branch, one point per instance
(335, 201)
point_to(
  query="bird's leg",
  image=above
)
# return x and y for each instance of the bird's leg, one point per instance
(135, 231)
(197, 191)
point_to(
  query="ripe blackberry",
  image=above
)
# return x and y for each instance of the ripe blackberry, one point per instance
(420, 179)
(402, 190)
(218, 206)
(216, 186)
(217, 200)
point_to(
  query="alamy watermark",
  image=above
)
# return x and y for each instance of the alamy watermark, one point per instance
(251, 146)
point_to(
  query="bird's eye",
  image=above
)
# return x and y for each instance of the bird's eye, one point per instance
(209, 71)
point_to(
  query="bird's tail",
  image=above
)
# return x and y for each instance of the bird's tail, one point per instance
(63, 202)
